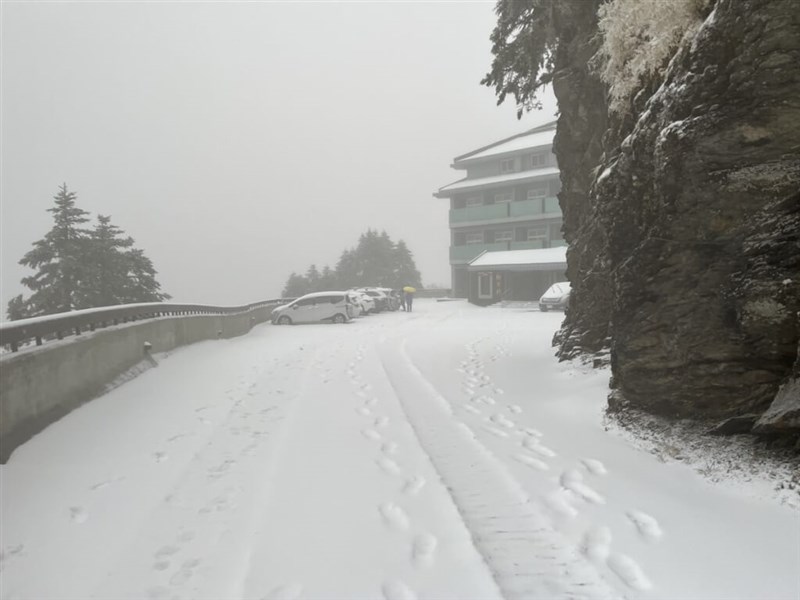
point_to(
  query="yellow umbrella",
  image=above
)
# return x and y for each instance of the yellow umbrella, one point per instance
(409, 289)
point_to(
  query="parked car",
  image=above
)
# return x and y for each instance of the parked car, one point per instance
(312, 308)
(393, 301)
(365, 301)
(380, 298)
(556, 296)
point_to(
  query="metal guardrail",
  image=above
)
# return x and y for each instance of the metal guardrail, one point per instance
(15, 333)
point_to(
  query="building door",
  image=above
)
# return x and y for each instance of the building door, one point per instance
(485, 286)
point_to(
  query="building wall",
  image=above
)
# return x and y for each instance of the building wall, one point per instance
(476, 215)
(517, 286)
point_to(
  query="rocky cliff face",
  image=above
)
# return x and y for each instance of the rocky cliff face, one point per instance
(578, 146)
(692, 228)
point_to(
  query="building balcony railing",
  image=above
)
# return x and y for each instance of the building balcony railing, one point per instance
(529, 245)
(464, 254)
(540, 207)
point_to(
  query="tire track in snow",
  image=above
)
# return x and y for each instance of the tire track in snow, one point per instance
(506, 527)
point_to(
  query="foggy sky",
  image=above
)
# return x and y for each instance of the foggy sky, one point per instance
(238, 142)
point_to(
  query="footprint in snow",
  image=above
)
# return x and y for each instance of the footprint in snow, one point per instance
(371, 401)
(185, 573)
(629, 572)
(397, 590)
(514, 408)
(596, 543)
(165, 551)
(160, 456)
(495, 431)
(594, 466)
(291, 591)
(388, 466)
(381, 421)
(558, 502)
(12, 552)
(394, 516)
(647, 526)
(424, 549)
(78, 514)
(389, 448)
(472, 409)
(364, 411)
(106, 483)
(534, 445)
(573, 481)
(161, 565)
(531, 461)
(414, 485)
(371, 434)
(502, 420)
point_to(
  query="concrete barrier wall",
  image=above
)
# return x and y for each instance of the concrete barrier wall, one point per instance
(433, 293)
(39, 386)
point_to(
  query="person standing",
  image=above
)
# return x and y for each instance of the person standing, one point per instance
(409, 296)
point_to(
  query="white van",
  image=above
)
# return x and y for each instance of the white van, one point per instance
(313, 308)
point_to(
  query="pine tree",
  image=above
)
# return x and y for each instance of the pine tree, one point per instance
(405, 270)
(295, 287)
(17, 308)
(108, 264)
(78, 268)
(59, 258)
(347, 272)
(140, 284)
(376, 260)
(313, 279)
(328, 280)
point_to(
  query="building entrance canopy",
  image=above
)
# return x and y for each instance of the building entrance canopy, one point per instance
(542, 259)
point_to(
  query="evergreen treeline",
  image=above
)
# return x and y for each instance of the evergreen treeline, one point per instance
(376, 260)
(77, 267)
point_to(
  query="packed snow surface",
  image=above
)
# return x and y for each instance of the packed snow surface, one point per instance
(443, 453)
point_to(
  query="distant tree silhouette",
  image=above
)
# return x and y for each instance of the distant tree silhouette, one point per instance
(375, 260)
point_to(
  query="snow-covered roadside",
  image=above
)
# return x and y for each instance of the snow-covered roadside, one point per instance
(438, 454)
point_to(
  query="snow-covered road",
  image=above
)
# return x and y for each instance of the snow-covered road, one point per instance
(438, 454)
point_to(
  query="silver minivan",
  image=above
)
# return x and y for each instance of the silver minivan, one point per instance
(314, 308)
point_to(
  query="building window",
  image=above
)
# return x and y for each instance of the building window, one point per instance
(537, 160)
(537, 233)
(506, 235)
(537, 193)
(473, 238)
(507, 165)
(473, 201)
(484, 285)
(504, 197)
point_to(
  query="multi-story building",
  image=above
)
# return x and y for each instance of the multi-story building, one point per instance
(507, 201)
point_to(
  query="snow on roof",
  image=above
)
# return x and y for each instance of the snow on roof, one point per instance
(525, 141)
(468, 184)
(533, 260)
